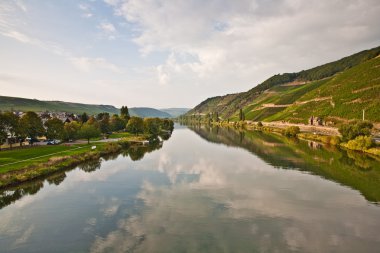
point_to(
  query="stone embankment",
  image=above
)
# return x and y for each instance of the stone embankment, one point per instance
(322, 130)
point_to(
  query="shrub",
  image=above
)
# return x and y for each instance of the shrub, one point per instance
(335, 140)
(360, 143)
(356, 128)
(111, 147)
(291, 131)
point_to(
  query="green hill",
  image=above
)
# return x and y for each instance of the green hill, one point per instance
(339, 90)
(175, 112)
(24, 104)
(146, 112)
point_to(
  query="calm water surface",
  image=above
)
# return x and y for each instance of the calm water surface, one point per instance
(204, 190)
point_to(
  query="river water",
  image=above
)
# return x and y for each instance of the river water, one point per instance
(204, 190)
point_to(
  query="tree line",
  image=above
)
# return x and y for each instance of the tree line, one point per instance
(17, 129)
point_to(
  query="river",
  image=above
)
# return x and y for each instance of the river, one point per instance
(204, 190)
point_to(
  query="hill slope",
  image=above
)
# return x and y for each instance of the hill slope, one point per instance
(175, 112)
(297, 96)
(24, 104)
(146, 112)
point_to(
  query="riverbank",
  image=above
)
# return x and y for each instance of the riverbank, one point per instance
(36, 162)
(322, 134)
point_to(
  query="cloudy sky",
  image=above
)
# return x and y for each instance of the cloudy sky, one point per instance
(170, 53)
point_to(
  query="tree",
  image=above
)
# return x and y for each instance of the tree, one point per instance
(92, 121)
(354, 129)
(241, 115)
(152, 126)
(54, 128)
(88, 131)
(3, 129)
(135, 125)
(124, 113)
(291, 131)
(104, 123)
(71, 130)
(11, 122)
(167, 125)
(116, 123)
(84, 117)
(31, 125)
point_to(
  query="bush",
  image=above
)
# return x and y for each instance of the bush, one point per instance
(354, 129)
(111, 147)
(360, 143)
(335, 140)
(291, 131)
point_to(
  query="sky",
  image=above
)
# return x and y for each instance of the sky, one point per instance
(172, 53)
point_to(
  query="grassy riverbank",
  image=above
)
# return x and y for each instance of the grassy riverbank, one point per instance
(22, 165)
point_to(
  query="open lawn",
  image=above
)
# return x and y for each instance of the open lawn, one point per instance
(19, 158)
(120, 135)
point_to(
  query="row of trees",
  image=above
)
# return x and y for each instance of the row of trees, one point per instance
(17, 129)
(151, 126)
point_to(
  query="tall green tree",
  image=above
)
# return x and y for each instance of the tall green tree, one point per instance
(116, 123)
(88, 131)
(241, 115)
(12, 124)
(84, 117)
(31, 125)
(152, 126)
(104, 122)
(3, 130)
(124, 113)
(167, 125)
(135, 125)
(54, 128)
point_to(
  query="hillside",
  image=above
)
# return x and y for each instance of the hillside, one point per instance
(175, 112)
(146, 112)
(24, 104)
(340, 90)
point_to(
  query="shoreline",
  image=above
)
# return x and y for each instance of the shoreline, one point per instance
(322, 134)
(62, 162)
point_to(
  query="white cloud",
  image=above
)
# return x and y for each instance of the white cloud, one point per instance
(107, 27)
(92, 64)
(20, 37)
(244, 42)
(112, 2)
(21, 5)
(87, 13)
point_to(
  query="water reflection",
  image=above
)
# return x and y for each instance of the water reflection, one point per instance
(350, 168)
(235, 192)
(9, 195)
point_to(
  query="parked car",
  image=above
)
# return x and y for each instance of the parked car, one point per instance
(53, 142)
(31, 140)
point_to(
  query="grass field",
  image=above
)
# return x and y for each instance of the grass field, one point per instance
(18, 158)
(120, 135)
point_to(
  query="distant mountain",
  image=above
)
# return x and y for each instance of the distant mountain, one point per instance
(175, 112)
(25, 104)
(146, 112)
(336, 91)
